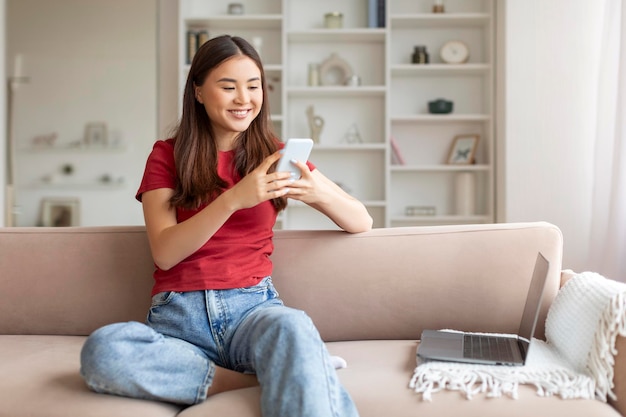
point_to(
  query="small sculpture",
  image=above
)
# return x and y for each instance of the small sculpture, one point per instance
(316, 123)
(353, 135)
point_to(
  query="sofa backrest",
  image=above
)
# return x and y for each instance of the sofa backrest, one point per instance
(393, 283)
(384, 284)
(73, 280)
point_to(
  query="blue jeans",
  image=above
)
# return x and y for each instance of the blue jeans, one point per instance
(173, 357)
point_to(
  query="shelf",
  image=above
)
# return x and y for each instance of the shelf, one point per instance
(446, 118)
(75, 149)
(230, 22)
(325, 91)
(95, 186)
(266, 67)
(449, 219)
(367, 203)
(272, 68)
(439, 168)
(435, 20)
(439, 69)
(351, 148)
(375, 203)
(337, 35)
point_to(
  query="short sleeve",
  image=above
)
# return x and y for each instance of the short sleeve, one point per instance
(160, 171)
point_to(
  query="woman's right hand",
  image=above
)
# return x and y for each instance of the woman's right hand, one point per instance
(259, 185)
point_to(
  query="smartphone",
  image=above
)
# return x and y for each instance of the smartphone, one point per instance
(297, 149)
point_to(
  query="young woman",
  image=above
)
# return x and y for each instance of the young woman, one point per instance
(210, 197)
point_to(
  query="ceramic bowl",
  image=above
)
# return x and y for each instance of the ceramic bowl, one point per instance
(440, 106)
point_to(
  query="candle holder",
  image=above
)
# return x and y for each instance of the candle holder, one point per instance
(333, 20)
(438, 6)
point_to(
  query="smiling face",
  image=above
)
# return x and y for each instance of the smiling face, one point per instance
(232, 95)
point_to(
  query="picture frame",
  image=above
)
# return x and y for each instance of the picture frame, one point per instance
(463, 150)
(60, 212)
(96, 134)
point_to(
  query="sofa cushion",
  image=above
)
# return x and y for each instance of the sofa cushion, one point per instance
(378, 375)
(46, 368)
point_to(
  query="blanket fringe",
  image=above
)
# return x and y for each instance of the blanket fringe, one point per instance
(560, 382)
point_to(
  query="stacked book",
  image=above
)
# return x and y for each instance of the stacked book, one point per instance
(376, 13)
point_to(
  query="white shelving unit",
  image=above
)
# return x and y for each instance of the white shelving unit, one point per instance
(391, 100)
(426, 180)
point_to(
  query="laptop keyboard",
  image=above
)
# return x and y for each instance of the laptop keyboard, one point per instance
(487, 347)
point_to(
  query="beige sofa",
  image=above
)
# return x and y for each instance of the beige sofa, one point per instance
(370, 295)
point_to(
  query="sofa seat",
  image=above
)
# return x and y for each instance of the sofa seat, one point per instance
(40, 377)
(394, 361)
(46, 368)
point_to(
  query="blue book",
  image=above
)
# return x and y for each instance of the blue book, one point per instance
(372, 13)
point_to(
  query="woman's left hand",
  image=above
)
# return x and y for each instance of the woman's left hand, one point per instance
(307, 188)
(316, 190)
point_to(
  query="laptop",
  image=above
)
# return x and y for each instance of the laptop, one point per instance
(487, 349)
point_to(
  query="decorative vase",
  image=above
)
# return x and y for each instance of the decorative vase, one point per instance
(420, 55)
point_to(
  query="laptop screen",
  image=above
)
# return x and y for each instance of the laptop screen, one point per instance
(532, 308)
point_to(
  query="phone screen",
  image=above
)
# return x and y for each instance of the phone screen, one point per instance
(297, 149)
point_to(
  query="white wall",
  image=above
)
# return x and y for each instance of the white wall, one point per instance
(87, 61)
(551, 57)
(167, 92)
(2, 117)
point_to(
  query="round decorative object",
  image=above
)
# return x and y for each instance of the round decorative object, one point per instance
(454, 52)
(335, 71)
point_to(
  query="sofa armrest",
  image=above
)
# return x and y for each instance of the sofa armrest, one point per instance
(566, 275)
(619, 376)
(619, 368)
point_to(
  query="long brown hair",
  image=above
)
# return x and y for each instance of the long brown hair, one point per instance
(195, 147)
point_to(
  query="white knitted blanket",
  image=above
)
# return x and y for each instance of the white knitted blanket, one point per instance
(575, 361)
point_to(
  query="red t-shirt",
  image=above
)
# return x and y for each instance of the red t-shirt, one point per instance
(236, 256)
